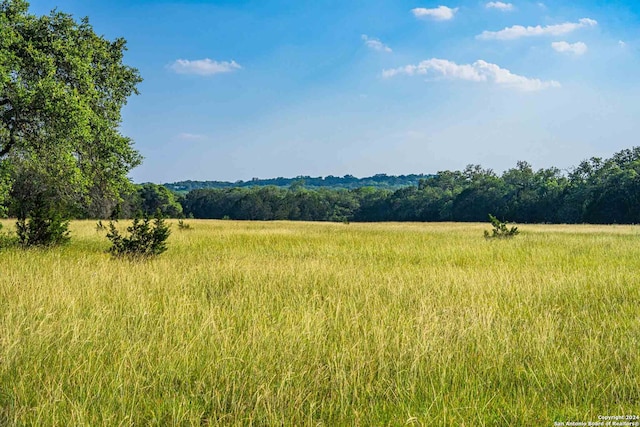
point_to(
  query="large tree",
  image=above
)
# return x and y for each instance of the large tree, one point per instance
(62, 88)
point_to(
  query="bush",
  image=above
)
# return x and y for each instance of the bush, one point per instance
(45, 226)
(146, 239)
(500, 229)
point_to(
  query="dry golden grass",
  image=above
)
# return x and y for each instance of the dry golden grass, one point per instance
(285, 323)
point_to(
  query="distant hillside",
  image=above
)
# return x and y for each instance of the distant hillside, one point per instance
(391, 182)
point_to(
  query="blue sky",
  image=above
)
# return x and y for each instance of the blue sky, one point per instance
(240, 89)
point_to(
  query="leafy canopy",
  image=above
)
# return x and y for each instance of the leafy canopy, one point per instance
(62, 88)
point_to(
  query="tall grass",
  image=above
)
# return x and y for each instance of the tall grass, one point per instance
(281, 323)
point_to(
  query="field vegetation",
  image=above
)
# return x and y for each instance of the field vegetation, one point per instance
(294, 323)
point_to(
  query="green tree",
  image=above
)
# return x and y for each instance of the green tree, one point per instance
(62, 88)
(155, 198)
(484, 193)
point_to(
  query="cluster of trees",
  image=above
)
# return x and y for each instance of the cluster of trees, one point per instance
(597, 191)
(139, 200)
(62, 88)
(381, 180)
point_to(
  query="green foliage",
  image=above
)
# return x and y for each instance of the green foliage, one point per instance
(45, 226)
(183, 225)
(148, 198)
(146, 239)
(154, 197)
(100, 226)
(381, 181)
(500, 229)
(40, 207)
(62, 88)
(5, 187)
(598, 191)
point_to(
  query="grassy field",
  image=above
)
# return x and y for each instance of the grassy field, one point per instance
(282, 323)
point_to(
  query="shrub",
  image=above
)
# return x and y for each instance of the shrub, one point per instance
(146, 239)
(45, 226)
(183, 225)
(500, 229)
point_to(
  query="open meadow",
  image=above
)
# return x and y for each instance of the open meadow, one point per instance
(291, 323)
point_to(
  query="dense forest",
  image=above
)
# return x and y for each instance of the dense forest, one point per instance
(603, 191)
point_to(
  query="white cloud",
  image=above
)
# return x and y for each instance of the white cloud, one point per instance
(438, 67)
(203, 67)
(518, 31)
(505, 7)
(479, 71)
(621, 43)
(440, 13)
(505, 77)
(578, 48)
(375, 44)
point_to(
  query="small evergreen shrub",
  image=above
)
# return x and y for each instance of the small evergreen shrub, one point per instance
(100, 226)
(45, 226)
(183, 225)
(500, 229)
(146, 238)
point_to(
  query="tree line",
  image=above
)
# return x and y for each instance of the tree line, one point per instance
(601, 191)
(380, 180)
